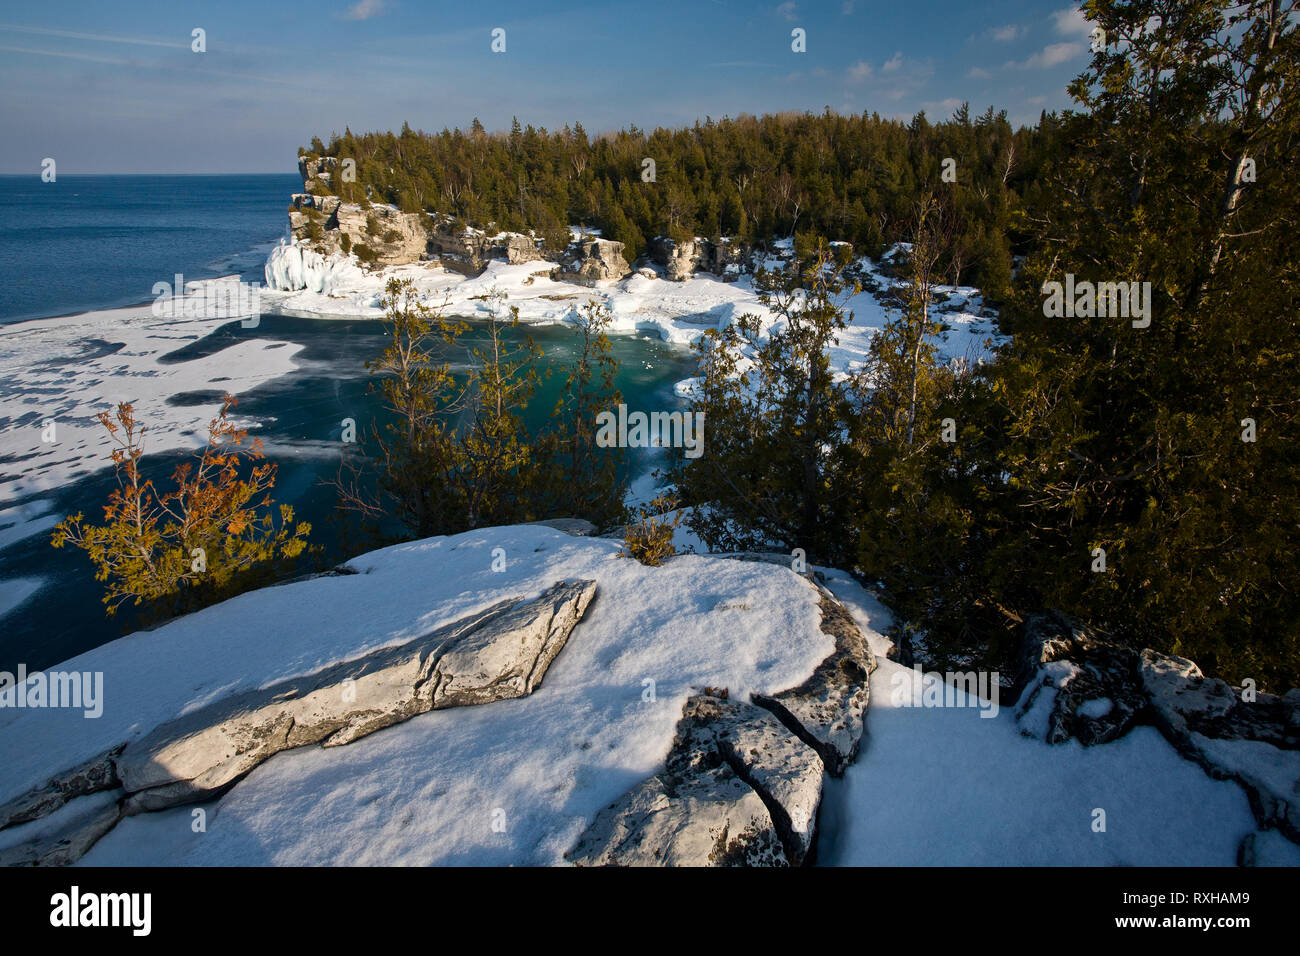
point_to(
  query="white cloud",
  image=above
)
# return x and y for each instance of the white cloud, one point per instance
(1054, 54)
(1071, 22)
(976, 73)
(860, 71)
(788, 9)
(364, 10)
(1004, 34)
(893, 63)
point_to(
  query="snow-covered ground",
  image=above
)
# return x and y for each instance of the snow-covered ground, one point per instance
(516, 781)
(945, 785)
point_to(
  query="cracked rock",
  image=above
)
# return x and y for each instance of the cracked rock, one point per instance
(828, 710)
(738, 789)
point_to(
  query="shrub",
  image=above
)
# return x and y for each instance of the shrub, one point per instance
(213, 535)
(649, 538)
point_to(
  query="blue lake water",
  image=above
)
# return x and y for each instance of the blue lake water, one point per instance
(88, 243)
(95, 242)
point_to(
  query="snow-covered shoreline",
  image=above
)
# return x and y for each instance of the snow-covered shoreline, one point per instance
(304, 283)
(68, 369)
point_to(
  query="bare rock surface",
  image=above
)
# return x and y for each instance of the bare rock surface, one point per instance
(597, 260)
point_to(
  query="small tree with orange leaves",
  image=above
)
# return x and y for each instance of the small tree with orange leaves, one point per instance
(211, 535)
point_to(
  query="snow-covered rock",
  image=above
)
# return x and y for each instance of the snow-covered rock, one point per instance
(738, 789)
(1076, 685)
(65, 835)
(829, 709)
(512, 781)
(1073, 684)
(293, 266)
(498, 654)
(1253, 741)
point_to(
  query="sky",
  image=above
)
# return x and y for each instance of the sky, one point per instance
(117, 87)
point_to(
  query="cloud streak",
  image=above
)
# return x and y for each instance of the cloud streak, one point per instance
(364, 10)
(99, 37)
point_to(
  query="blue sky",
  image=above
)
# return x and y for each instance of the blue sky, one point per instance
(106, 87)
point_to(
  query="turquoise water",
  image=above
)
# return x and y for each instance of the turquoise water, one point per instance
(111, 238)
(302, 412)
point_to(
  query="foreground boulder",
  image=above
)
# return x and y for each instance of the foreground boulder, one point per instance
(743, 781)
(500, 653)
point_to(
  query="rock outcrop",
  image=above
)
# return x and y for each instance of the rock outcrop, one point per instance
(681, 260)
(500, 653)
(64, 837)
(828, 711)
(742, 781)
(594, 261)
(467, 249)
(1072, 683)
(1252, 741)
(737, 790)
(1076, 684)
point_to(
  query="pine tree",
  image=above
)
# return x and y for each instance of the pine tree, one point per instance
(768, 475)
(585, 479)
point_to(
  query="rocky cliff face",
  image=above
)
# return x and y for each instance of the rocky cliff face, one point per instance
(680, 261)
(598, 260)
(382, 235)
